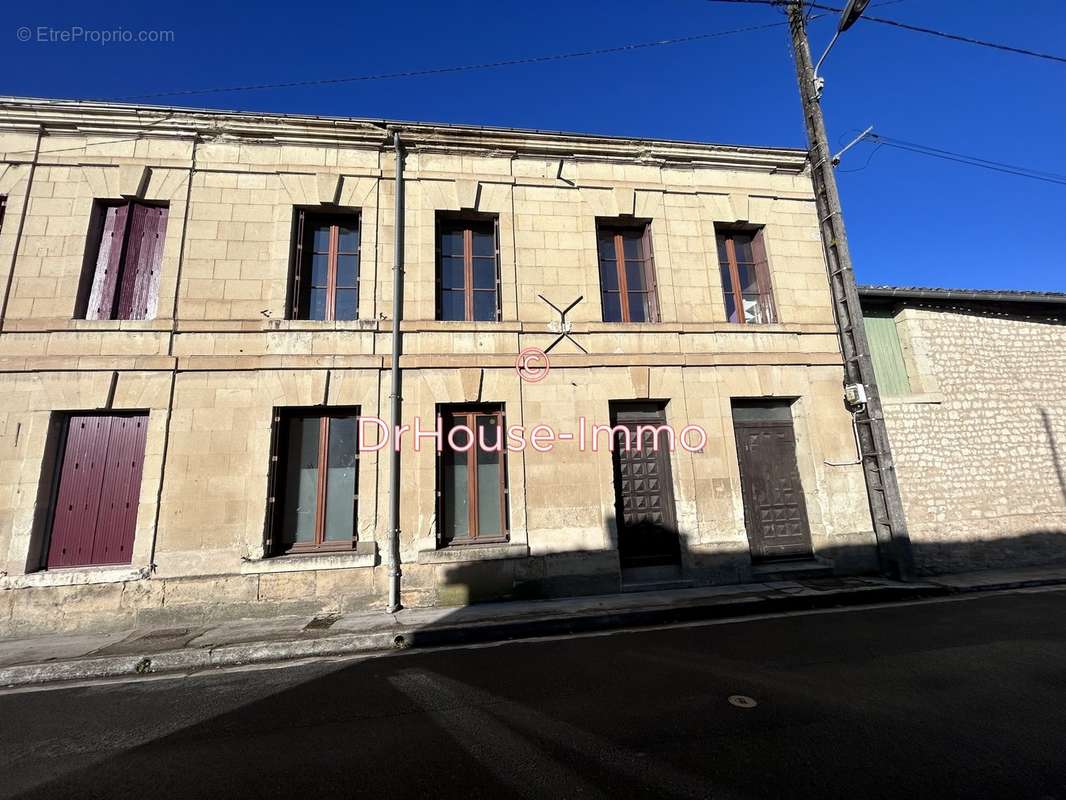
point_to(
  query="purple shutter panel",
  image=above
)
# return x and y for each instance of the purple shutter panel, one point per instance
(762, 277)
(120, 494)
(139, 292)
(78, 498)
(108, 264)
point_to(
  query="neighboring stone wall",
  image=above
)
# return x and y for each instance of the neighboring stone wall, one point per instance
(981, 447)
(220, 354)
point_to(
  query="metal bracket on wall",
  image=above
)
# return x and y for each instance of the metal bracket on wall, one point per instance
(562, 326)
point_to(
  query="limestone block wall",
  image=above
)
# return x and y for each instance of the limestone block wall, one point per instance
(981, 447)
(221, 354)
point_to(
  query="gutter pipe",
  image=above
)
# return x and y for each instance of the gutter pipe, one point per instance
(396, 385)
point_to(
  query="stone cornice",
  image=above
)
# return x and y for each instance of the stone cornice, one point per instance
(68, 117)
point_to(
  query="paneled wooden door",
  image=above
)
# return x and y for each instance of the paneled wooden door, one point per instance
(775, 512)
(644, 494)
(95, 512)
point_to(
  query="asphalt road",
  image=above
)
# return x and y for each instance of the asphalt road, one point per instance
(946, 699)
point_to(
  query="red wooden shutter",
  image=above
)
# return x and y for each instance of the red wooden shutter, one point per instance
(95, 512)
(120, 494)
(762, 277)
(78, 499)
(139, 292)
(108, 264)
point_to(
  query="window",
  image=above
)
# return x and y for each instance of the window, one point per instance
(745, 277)
(326, 266)
(468, 275)
(98, 487)
(473, 484)
(627, 276)
(313, 481)
(128, 252)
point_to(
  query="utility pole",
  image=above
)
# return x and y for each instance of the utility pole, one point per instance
(882, 488)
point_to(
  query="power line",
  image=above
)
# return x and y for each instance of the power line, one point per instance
(960, 158)
(460, 68)
(955, 37)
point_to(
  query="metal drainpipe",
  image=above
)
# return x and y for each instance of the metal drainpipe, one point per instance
(397, 401)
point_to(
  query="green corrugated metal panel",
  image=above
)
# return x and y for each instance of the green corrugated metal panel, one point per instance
(887, 356)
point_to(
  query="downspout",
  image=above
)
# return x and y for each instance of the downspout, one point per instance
(397, 400)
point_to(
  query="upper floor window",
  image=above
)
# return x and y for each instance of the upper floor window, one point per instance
(468, 273)
(627, 274)
(126, 251)
(745, 277)
(473, 481)
(326, 266)
(313, 480)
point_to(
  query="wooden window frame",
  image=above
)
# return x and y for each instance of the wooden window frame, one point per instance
(275, 533)
(618, 227)
(759, 263)
(304, 255)
(466, 223)
(449, 416)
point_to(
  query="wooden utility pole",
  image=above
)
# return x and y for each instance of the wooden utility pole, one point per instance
(886, 505)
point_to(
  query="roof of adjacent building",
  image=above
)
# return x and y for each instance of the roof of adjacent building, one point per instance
(968, 295)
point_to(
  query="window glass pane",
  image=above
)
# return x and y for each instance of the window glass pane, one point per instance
(608, 275)
(319, 269)
(301, 480)
(633, 245)
(349, 239)
(320, 239)
(635, 276)
(484, 243)
(638, 307)
(762, 411)
(347, 270)
(484, 273)
(340, 480)
(452, 274)
(489, 514)
(452, 305)
(317, 309)
(612, 307)
(456, 522)
(754, 310)
(346, 304)
(451, 242)
(727, 277)
(730, 307)
(748, 282)
(485, 306)
(605, 244)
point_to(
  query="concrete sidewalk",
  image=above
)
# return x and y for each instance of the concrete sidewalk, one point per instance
(83, 656)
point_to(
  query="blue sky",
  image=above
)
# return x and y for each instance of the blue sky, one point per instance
(912, 220)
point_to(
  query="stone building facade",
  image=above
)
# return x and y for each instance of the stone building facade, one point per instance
(189, 341)
(970, 382)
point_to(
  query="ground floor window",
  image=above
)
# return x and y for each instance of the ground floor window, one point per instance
(314, 481)
(472, 480)
(97, 490)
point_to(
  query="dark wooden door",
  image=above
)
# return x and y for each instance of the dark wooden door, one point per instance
(774, 509)
(95, 511)
(644, 495)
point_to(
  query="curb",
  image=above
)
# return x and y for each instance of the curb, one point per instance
(400, 638)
